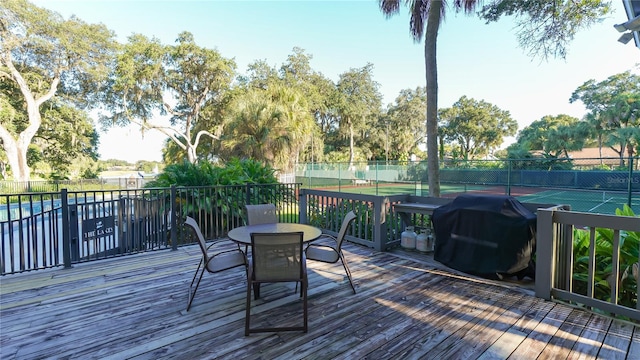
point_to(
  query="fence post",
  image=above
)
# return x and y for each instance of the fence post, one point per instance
(630, 180)
(66, 238)
(376, 177)
(509, 177)
(174, 221)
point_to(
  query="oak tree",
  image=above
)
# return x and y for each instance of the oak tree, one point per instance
(43, 56)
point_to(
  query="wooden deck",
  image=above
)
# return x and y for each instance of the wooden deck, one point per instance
(406, 307)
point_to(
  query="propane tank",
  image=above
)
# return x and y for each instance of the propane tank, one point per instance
(408, 239)
(431, 240)
(421, 241)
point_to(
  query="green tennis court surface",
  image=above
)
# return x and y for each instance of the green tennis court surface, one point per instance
(603, 202)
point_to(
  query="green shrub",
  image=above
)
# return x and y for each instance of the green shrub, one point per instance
(205, 190)
(234, 172)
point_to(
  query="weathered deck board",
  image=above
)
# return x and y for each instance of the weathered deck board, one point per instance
(407, 306)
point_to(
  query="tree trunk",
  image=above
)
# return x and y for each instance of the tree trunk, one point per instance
(600, 148)
(191, 153)
(17, 148)
(17, 156)
(431, 36)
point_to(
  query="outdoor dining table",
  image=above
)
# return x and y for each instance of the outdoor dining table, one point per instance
(242, 234)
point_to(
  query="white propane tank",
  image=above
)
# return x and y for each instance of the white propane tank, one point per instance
(421, 241)
(408, 239)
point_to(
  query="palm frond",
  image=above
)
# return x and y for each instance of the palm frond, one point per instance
(390, 7)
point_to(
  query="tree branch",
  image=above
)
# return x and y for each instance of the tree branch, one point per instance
(172, 133)
(168, 108)
(204, 132)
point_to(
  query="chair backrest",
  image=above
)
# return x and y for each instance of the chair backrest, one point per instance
(196, 229)
(277, 257)
(261, 214)
(348, 219)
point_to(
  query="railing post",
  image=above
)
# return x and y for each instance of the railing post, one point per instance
(545, 256)
(66, 237)
(174, 221)
(302, 207)
(379, 223)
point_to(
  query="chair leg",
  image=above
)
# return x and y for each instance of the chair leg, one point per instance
(346, 269)
(196, 273)
(248, 309)
(304, 285)
(192, 291)
(256, 291)
(300, 288)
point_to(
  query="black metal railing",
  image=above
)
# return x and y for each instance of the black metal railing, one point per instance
(51, 229)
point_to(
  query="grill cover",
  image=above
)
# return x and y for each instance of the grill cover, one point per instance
(487, 235)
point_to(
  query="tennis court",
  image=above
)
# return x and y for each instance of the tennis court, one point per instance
(593, 201)
(604, 202)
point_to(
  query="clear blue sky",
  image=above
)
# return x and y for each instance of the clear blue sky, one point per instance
(480, 61)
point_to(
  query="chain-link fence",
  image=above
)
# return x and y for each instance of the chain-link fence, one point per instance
(599, 185)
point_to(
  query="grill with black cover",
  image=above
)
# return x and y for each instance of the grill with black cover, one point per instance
(487, 235)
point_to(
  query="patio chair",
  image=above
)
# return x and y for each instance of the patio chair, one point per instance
(261, 214)
(276, 257)
(212, 262)
(332, 252)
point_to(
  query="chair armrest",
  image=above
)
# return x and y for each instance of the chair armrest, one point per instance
(214, 242)
(325, 237)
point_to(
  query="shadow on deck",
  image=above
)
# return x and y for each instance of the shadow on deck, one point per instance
(407, 306)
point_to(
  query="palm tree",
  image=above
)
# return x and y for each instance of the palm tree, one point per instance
(433, 11)
(271, 126)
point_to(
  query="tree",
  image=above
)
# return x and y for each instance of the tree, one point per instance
(433, 11)
(270, 126)
(180, 80)
(614, 110)
(359, 103)
(404, 127)
(563, 18)
(148, 166)
(296, 74)
(555, 136)
(319, 93)
(43, 55)
(545, 28)
(476, 127)
(66, 138)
